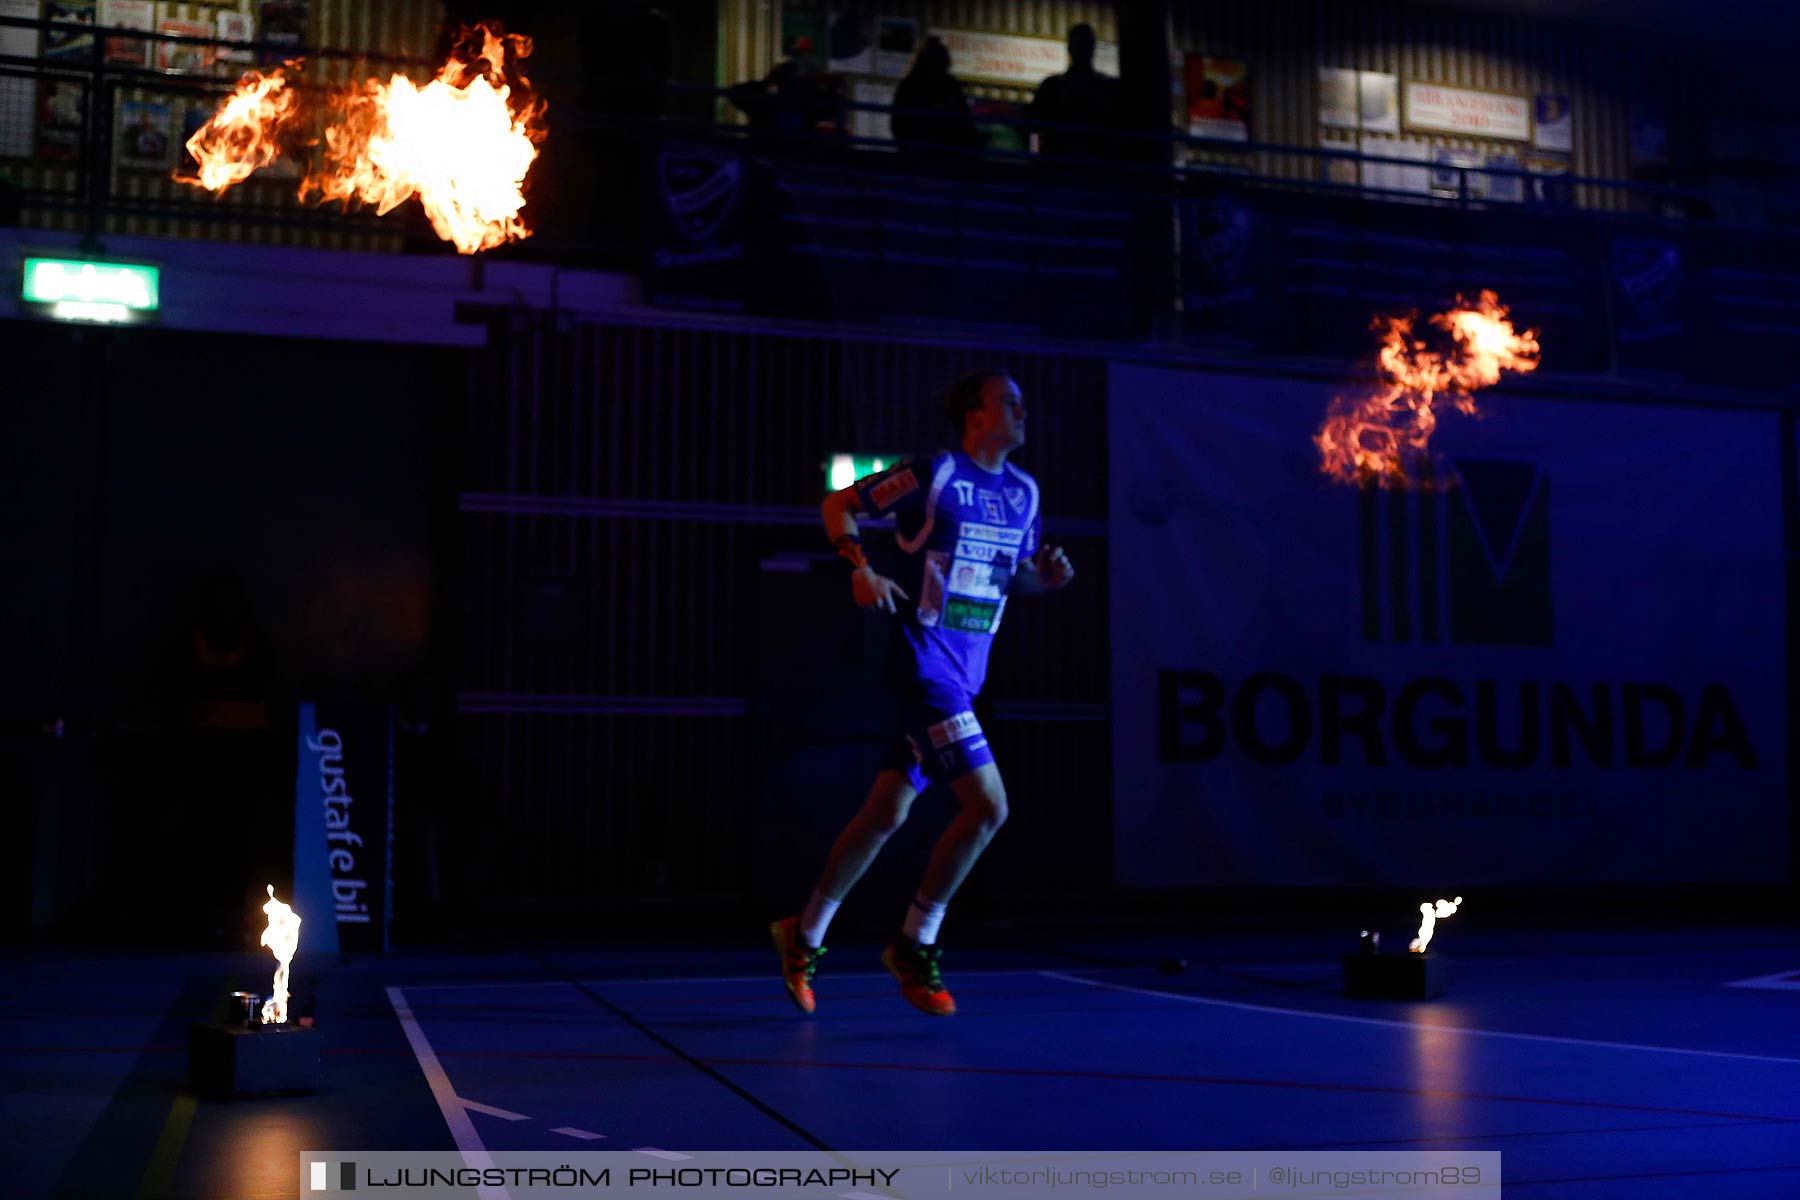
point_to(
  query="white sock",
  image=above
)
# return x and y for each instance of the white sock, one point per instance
(922, 921)
(814, 919)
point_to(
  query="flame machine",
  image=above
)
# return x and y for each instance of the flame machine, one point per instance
(1416, 975)
(254, 1048)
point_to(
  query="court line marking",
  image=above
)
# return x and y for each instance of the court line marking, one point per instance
(579, 1134)
(476, 1155)
(462, 1129)
(490, 1110)
(764, 977)
(1548, 959)
(1511, 961)
(1390, 1023)
(160, 1173)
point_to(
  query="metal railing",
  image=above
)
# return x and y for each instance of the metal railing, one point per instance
(89, 183)
(1256, 246)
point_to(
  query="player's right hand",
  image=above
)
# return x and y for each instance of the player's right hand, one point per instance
(875, 591)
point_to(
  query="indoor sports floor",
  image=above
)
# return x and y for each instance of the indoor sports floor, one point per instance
(1638, 1064)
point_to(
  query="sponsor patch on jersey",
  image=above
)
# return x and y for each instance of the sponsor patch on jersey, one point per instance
(982, 552)
(955, 728)
(894, 487)
(1016, 498)
(997, 534)
(967, 615)
(990, 506)
(985, 580)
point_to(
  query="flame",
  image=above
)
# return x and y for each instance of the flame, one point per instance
(1430, 915)
(1374, 435)
(282, 937)
(457, 144)
(245, 134)
(461, 144)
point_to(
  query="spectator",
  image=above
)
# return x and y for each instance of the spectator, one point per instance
(1079, 96)
(787, 101)
(771, 102)
(930, 109)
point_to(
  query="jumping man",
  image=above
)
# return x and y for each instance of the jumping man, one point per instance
(967, 522)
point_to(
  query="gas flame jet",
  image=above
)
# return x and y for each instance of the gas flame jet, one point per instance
(282, 937)
(1373, 436)
(462, 144)
(1430, 915)
(247, 132)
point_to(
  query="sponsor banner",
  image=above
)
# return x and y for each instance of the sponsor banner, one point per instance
(1554, 128)
(312, 873)
(1647, 280)
(345, 785)
(1218, 97)
(1019, 61)
(1443, 109)
(896, 41)
(1378, 101)
(1338, 104)
(699, 224)
(1561, 665)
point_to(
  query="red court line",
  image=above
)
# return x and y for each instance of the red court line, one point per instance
(93, 1049)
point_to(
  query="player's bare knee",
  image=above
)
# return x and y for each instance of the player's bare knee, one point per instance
(888, 803)
(987, 805)
(887, 813)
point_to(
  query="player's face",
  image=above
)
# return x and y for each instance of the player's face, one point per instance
(1002, 413)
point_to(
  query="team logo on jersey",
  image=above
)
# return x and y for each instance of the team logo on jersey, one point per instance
(895, 486)
(990, 507)
(1016, 498)
(965, 491)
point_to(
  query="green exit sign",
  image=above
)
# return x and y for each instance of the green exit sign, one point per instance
(75, 289)
(842, 470)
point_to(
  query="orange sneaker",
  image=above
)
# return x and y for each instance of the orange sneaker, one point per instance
(916, 967)
(798, 962)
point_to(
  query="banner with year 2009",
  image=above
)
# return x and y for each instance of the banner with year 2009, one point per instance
(1563, 663)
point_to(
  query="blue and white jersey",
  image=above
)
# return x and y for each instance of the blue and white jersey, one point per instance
(962, 532)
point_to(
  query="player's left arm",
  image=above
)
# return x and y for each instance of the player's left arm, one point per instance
(1046, 571)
